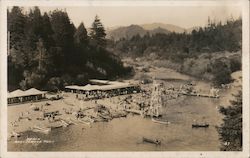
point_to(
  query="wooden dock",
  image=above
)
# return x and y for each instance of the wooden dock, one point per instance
(199, 95)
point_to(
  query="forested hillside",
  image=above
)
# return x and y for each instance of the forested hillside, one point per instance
(47, 51)
(129, 31)
(211, 53)
(212, 38)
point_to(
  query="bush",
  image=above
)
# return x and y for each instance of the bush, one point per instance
(55, 83)
(34, 79)
(221, 72)
(235, 64)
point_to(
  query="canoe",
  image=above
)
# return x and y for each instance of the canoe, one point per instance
(160, 121)
(155, 141)
(200, 125)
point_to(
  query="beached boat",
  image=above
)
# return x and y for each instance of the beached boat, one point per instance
(64, 123)
(160, 121)
(153, 141)
(73, 121)
(137, 112)
(107, 117)
(203, 125)
(15, 134)
(41, 129)
(118, 114)
(56, 124)
(84, 121)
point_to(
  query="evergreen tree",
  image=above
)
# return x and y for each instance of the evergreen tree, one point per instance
(81, 35)
(47, 52)
(231, 129)
(47, 32)
(16, 27)
(97, 33)
(63, 36)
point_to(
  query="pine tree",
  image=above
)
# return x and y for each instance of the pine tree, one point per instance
(81, 35)
(98, 33)
(231, 129)
(16, 27)
(63, 36)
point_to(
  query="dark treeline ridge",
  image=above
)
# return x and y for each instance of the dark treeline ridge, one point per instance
(204, 47)
(48, 52)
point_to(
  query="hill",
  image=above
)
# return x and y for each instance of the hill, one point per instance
(129, 31)
(169, 27)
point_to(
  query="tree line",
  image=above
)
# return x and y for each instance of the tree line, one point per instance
(47, 51)
(212, 38)
(200, 53)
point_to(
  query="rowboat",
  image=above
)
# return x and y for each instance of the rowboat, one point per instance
(84, 121)
(15, 134)
(205, 125)
(160, 121)
(64, 123)
(41, 129)
(153, 141)
(58, 125)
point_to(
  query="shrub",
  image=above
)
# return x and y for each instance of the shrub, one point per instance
(221, 72)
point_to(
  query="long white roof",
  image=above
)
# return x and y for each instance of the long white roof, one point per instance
(21, 93)
(109, 86)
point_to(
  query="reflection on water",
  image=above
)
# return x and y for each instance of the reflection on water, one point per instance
(125, 134)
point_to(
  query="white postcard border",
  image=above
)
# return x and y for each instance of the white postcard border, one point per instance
(3, 80)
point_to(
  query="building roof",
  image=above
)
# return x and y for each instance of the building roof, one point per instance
(20, 93)
(117, 85)
(14, 93)
(34, 91)
(99, 81)
(108, 85)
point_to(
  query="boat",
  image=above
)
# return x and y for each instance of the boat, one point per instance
(106, 117)
(15, 134)
(73, 121)
(153, 141)
(203, 125)
(52, 126)
(41, 129)
(160, 121)
(84, 121)
(137, 112)
(64, 123)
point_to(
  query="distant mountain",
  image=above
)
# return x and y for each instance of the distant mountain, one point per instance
(158, 30)
(169, 27)
(125, 32)
(132, 30)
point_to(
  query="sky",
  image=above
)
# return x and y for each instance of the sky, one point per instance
(183, 16)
